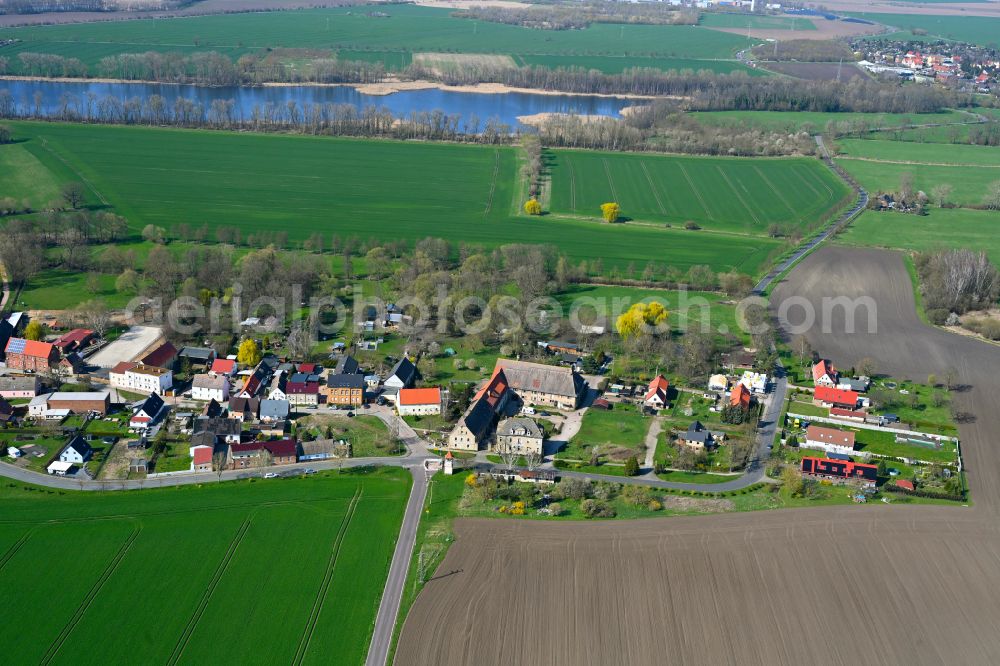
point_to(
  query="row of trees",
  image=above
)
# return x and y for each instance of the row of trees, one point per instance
(562, 17)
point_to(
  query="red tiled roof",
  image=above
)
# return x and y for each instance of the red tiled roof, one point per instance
(302, 388)
(823, 367)
(74, 337)
(494, 389)
(203, 455)
(658, 384)
(836, 396)
(161, 356)
(851, 413)
(223, 366)
(282, 448)
(34, 348)
(123, 367)
(421, 396)
(307, 368)
(904, 484)
(740, 396)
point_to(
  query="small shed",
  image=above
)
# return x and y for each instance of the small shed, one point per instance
(137, 465)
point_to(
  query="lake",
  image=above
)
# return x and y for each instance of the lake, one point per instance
(49, 98)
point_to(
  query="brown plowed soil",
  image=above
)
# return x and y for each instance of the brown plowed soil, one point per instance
(847, 585)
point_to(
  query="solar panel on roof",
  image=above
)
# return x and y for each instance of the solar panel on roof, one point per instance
(17, 345)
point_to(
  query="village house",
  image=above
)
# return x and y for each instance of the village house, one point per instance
(223, 366)
(477, 423)
(201, 458)
(832, 397)
(244, 409)
(546, 385)
(520, 435)
(275, 452)
(840, 470)
(718, 383)
(830, 440)
(255, 382)
(740, 397)
(419, 402)
(856, 384)
(30, 355)
(303, 389)
(210, 387)
(141, 378)
(696, 436)
(148, 413)
(80, 402)
(755, 381)
(345, 390)
(824, 374)
(656, 394)
(222, 429)
(197, 356)
(14, 387)
(346, 365)
(273, 411)
(76, 452)
(403, 374)
(559, 347)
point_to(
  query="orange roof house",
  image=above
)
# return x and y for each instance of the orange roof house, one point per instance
(740, 397)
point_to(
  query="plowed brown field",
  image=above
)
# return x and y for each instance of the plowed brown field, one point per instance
(866, 584)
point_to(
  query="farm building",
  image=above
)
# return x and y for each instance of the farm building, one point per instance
(80, 402)
(477, 423)
(30, 355)
(538, 384)
(303, 389)
(403, 374)
(841, 470)
(420, 401)
(74, 340)
(656, 394)
(830, 440)
(163, 356)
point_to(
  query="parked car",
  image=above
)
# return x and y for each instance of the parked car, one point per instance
(309, 471)
(271, 475)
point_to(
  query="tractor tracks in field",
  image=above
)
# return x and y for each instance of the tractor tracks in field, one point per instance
(16, 546)
(324, 588)
(652, 188)
(81, 610)
(493, 184)
(206, 597)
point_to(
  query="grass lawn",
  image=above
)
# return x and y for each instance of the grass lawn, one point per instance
(428, 422)
(617, 433)
(26, 179)
(688, 310)
(58, 289)
(367, 434)
(942, 228)
(734, 195)
(794, 121)
(408, 28)
(216, 589)
(884, 443)
(398, 191)
(879, 166)
(175, 459)
(695, 477)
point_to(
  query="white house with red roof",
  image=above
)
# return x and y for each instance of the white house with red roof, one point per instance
(223, 366)
(824, 374)
(656, 393)
(419, 401)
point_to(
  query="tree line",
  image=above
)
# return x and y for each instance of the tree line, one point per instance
(577, 17)
(953, 282)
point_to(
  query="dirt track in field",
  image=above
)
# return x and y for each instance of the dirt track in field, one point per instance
(847, 585)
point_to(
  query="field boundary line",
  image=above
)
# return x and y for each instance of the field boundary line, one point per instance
(206, 597)
(611, 182)
(694, 189)
(45, 145)
(912, 163)
(81, 610)
(324, 588)
(652, 187)
(493, 183)
(774, 189)
(739, 197)
(14, 548)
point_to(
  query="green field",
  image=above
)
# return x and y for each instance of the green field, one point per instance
(793, 121)
(394, 190)
(943, 228)
(617, 434)
(25, 178)
(237, 572)
(618, 64)
(969, 184)
(734, 20)
(408, 28)
(903, 151)
(980, 30)
(720, 194)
